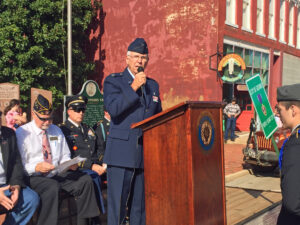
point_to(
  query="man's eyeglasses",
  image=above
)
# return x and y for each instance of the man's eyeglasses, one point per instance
(78, 110)
(137, 57)
(43, 119)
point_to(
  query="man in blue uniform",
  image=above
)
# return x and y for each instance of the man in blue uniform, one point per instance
(129, 97)
(288, 108)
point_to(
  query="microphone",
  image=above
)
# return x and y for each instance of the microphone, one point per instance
(141, 69)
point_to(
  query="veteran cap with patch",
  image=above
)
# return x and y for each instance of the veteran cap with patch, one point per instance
(288, 93)
(42, 105)
(139, 45)
(76, 101)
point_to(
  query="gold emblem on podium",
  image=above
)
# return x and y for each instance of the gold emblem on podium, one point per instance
(206, 131)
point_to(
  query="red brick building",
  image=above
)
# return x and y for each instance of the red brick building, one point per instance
(182, 35)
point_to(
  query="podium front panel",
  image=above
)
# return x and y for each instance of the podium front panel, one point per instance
(183, 160)
(208, 168)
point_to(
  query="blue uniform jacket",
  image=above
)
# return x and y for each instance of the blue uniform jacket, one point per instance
(125, 106)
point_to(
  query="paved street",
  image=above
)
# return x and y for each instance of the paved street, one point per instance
(245, 206)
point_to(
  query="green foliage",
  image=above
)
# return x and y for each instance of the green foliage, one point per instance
(33, 45)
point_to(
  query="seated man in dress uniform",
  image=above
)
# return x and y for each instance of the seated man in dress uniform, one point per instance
(17, 201)
(82, 141)
(43, 147)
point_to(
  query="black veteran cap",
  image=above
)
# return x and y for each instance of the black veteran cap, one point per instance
(288, 93)
(139, 45)
(42, 105)
(76, 101)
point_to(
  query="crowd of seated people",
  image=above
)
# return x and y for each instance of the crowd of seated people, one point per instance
(30, 153)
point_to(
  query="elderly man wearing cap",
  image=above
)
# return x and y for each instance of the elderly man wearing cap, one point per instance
(129, 97)
(43, 147)
(288, 109)
(83, 142)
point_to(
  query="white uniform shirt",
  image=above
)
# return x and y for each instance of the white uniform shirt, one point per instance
(29, 139)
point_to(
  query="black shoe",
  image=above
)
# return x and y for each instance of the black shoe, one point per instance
(225, 140)
(232, 139)
(125, 222)
(95, 221)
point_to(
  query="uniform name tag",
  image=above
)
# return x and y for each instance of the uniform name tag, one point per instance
(53, 138)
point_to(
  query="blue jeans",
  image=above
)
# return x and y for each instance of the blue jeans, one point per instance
(230, 124)
(27, 203)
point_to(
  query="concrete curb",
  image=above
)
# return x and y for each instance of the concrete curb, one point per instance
(233, 176)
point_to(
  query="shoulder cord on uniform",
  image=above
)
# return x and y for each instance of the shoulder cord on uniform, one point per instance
(282, 147)
(102, 128)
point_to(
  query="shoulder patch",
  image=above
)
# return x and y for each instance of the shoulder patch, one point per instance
(91, 132)
(99, 122)
(116, 74)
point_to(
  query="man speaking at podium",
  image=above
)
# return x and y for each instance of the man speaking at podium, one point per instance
(129, 97)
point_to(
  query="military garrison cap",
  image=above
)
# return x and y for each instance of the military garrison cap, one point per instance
(76, 101)
(288, 93)
(139, 45)
(42, 105)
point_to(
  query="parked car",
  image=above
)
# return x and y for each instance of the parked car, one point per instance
(260, 151)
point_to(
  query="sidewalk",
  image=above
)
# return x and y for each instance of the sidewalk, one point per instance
(246, 206)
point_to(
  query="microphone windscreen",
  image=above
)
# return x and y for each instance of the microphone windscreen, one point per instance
(140, 69)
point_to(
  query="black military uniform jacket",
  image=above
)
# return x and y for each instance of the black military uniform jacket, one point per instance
(102, 133)
(290, 181)
(12, 163)
(83, 143)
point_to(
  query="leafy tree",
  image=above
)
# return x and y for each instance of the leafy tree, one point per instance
(33, 45)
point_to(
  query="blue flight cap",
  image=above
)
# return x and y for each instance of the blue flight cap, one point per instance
(139, 45)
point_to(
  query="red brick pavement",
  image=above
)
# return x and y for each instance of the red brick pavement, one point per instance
(233, 157)
(233, 154)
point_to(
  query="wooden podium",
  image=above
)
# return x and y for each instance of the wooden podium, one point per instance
(184, 165)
